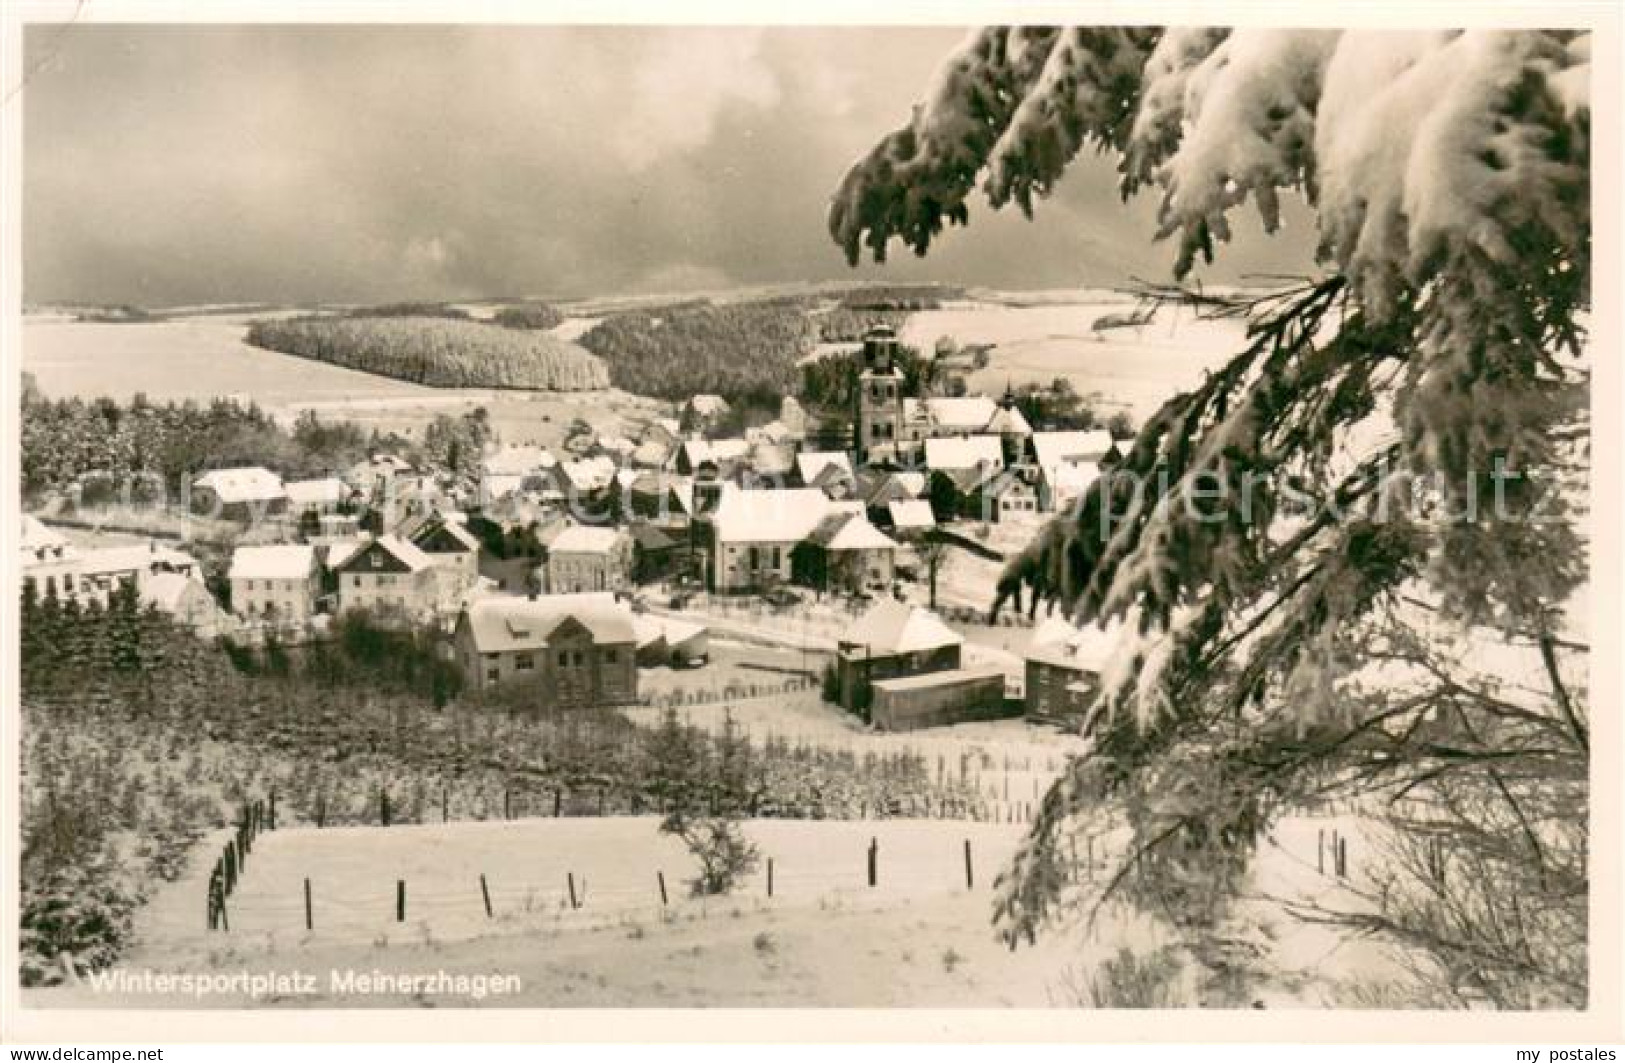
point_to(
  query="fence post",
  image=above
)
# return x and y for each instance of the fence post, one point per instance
(660, 876)
(383, 807)
(570, 879)
(309, 923)
(507, 803)
(770, 876)
(485, 892)
(970, 877)
(400, 900)
(445, 805)
(1320, 851)
(874, 860)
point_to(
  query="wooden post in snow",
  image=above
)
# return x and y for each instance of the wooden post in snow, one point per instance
(485, 892)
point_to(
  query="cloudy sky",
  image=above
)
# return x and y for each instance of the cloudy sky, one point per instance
(168, 165)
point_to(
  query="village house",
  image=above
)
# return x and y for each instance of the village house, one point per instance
(702, 411)
(243, 495)
(829, 471)
(663, 497)
(655, 553)
(387, 576)
(370, 476)
(585, 481)
(186, 600)
(572, 650)
(892, 640)
(1003, 494)
(455, 552)
(1059, 486)
(589, 558)
(1063, 668)
(665, 641)
(101, 571)
(280, 583)
(910, 518)
(50, 564)
(727, 455)
(845, 553)
(752, 534)
(509, 469)
(982, 453)
(315, 498)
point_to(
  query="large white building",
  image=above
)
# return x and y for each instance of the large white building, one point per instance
(280, 583)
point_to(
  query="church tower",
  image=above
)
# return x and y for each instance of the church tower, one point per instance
(879, 414)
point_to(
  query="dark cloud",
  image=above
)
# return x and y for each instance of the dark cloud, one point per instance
(169, 165)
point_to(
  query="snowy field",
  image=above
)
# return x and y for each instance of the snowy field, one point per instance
(1135, 369)
(203, 358)
(825, 938)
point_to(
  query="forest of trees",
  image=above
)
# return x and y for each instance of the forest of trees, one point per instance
(1391, 648)
(742, 351)
(139, 738)
(435, 350)
(114, 448)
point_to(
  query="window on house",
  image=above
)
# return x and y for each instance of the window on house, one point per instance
(67, 582)
(564, 659)
(493, 674)
(580, 658)
(523, 662)
(611, 656)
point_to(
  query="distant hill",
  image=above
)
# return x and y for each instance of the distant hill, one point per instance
(445, 352)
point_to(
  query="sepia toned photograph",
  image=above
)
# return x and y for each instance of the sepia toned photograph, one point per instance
(1054, 515)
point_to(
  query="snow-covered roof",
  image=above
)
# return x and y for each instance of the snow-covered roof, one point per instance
(585, 539)
(247, 484)
(769, 516)
(928, 680)
(407, 553)
(651, 453)
(894, 627)
(500, 623)
(968, 452)
(772, 459)
(708, 405)
(281, 561)
(37, 536)
(716, 450)
(456, 528)
(911, 513)
(1054, 448)
(112, 559)
(590, 474)
(1070, 479)
(969, 413)
(517, 461)
(1009, 420)
(166, 590)
(651, 628)
(850, 531)
(324, 492)
(812, 464)
(1088, 648)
